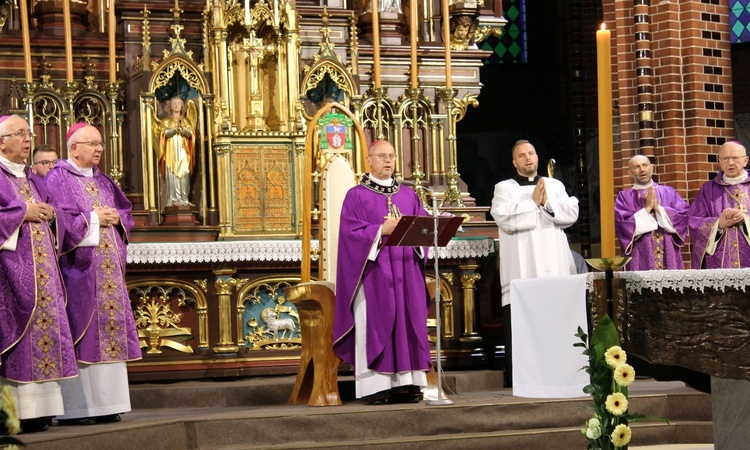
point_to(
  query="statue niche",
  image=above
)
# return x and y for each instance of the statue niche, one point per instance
(175, 135)
(175, 127)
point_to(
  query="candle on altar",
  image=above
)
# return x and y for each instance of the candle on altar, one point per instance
(606, 164)
(447, 42)
(414, 18)
(375, 43)
(111, 29)
(26, 40)
(68, 42)
(247, 12)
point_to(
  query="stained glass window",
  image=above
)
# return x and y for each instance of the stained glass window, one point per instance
(739, 21)
(510, 47)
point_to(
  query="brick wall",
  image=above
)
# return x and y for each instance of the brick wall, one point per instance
(673, 82)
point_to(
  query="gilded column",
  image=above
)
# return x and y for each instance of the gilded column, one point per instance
(224, 285)
(468, 284)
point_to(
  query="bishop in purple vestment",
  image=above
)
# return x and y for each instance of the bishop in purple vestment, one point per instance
(650, 221)
(98, 220)
(719, 224)
(381, 297)
(35, 341)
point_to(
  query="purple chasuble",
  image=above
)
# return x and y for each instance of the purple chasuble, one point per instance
(35, 339)
(396, 295)
(732, 248)
(101, 318)
(658, 249)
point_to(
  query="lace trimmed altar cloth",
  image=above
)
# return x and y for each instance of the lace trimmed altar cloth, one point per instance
(268, 250)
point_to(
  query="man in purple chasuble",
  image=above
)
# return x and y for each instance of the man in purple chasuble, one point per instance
(36, 348)
(93, 251)
(719, 224)
(650, 221)
(380, 321)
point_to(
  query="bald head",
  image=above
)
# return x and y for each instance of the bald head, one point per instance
(733, 158)
(640, 169)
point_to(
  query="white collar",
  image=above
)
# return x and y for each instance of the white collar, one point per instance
(385, 183)
(639, 187)
(18, 169)
(735, 180)
(87, 172)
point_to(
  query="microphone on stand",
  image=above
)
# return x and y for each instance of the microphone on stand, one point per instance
(441, 400)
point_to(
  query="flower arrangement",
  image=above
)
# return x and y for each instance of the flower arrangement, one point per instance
(610, 376)
(9, 422)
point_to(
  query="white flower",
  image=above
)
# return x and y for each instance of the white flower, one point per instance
(593, 433)
(593, 423)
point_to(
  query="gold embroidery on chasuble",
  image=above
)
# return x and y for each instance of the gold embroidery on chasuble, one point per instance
(110, 312)
(43, 325)
(658, 250)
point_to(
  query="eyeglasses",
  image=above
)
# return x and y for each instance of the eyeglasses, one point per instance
(385, 156)
(21, 134)
(46, 163)
(736, 159)
(94, 144)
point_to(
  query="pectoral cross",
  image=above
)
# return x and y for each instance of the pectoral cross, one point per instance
(393, 210)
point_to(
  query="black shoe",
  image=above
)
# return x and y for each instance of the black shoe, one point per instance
(35, 425)
(76, 422)
(378, 398)
(406, 394)
(110, 418)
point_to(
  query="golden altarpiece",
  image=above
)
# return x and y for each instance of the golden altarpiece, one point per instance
(209, 128)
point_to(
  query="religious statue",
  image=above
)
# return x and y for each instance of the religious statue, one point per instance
(462, 30)
(390, 6)
(175, 135)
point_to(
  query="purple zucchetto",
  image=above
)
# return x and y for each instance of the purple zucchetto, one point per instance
(2, 119)
(75, 128)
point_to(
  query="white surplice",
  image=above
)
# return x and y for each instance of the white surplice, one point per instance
(532, 241)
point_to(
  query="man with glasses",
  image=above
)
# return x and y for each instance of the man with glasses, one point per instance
(650, 221)
(718, 220)
(44, 157)
(98, 221)
(380, 324)
(36, 347)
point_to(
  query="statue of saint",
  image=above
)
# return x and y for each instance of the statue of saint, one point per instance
(176, 137)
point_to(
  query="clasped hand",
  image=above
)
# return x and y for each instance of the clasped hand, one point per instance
(38, 212)
(730, 217)
(107, 216)
(539, 196)
(652, 202)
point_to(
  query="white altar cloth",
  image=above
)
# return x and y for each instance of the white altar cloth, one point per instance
(289, 250)
(546, 314)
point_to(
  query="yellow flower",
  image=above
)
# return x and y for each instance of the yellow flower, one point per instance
(616, 404)
(621, 435)
(615, 356)
(624, 375)
(8, 405)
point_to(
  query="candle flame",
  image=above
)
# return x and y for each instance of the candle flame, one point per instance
(603, 27)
